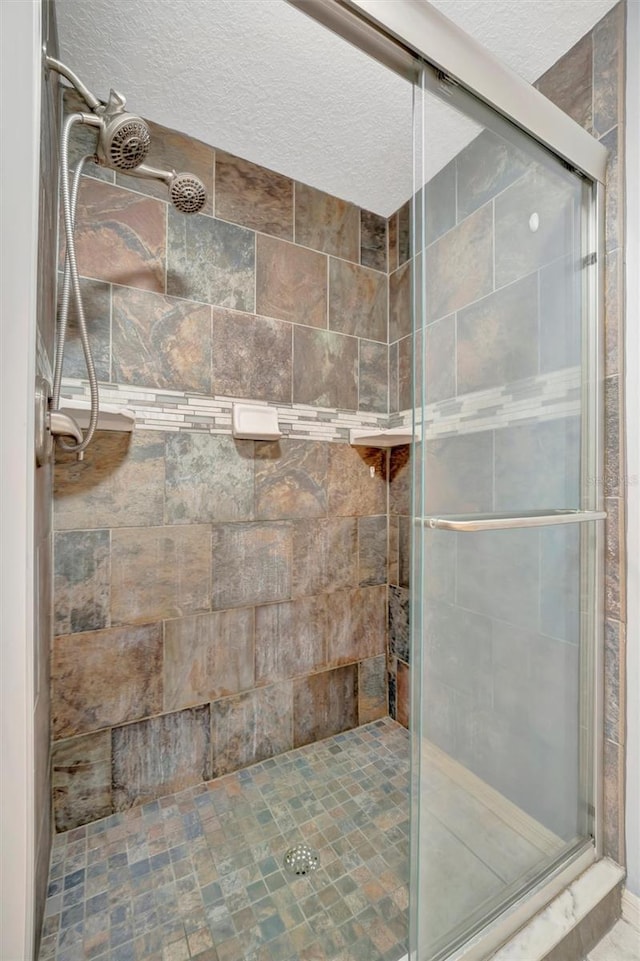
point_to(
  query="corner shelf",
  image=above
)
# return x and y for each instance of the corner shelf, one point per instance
(109, 416)
(392, 437)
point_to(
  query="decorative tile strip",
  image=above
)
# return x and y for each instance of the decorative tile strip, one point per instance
(176, 410)
(544, 397)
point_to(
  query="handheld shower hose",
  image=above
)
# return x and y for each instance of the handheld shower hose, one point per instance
(123, 144)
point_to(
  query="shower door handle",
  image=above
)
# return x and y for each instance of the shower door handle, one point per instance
(466, 523)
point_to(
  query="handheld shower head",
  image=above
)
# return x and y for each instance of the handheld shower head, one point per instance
(123, 139)
(187, 193)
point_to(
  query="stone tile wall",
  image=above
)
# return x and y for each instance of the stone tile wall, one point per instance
(597, 101)
(217, 602)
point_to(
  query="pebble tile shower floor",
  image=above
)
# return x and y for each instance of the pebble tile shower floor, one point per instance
(200, 875)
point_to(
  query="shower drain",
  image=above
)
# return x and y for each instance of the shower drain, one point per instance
(301, 860)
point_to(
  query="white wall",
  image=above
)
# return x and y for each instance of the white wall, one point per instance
(20, 110)
(632, 358)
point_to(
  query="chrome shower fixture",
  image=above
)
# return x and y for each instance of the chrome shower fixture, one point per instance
(124, 140)
(187, 193)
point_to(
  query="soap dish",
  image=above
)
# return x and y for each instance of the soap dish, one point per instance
(254, 422)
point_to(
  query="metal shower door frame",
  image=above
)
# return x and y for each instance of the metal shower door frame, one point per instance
(406, 35)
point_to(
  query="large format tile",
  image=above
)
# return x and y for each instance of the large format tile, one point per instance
(291, 638)
(326, 223)
(209, 477)
(403, 693)
(537, 466)
(324, 555)
(569, 82)
(81, 779)
(608, 70)
(400, 303)
(497, 338)
(160, 341)
(440, 197)
(399, 641)
(265, 712)
(159, 572)
(470, 243)
(372, 550)
(291, 479)
(253, 196)
(96, 301)
(499, 846)
(372, 689)
(460, 472)
(172, 150)
(210, 260)
(120, 236)
(82, 575)
(291, 282)
(325, 704)
(373, 377)
(373, 240)
(518, 249)
(207, 656)
(440, 360)
(400, 480)
(160, 755)
(251, 356)
(104, 678)
(485, 167)
(325, 370)
(357, 300)
(614, 143)
(457, 651)
(444, 862)
(357, 625)
(560, 315)
(498, 574)
(251, 564)
(357, 480)
(120, 482)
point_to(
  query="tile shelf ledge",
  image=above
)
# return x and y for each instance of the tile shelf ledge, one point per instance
(391, 437)
(110, 417)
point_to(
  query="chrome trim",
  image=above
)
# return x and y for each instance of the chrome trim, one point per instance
(597, 374)
(419, 30)
(479, 522)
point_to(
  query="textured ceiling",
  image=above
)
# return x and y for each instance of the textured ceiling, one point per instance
(261, 80)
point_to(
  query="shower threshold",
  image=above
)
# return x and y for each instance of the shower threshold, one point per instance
(200, 874)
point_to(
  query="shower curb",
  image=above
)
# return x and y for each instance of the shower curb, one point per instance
(572, 923)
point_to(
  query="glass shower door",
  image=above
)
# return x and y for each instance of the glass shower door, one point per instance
(505, 514)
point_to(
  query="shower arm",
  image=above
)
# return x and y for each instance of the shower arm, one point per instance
(147, 172)
(75, 80)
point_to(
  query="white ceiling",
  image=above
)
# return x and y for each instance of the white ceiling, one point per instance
(263, 81)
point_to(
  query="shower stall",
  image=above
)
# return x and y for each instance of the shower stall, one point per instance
(337, 696)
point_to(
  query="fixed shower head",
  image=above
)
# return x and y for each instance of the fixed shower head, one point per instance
(123, 138)
(123, 141)
(187, 193)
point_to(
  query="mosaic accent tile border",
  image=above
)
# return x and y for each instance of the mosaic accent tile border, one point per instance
(543, 397)
(184, 411)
